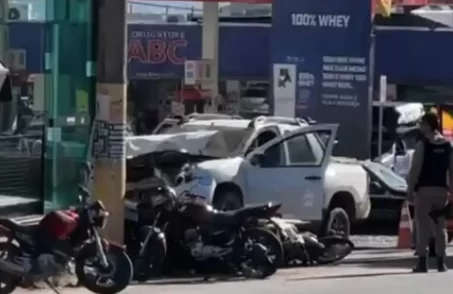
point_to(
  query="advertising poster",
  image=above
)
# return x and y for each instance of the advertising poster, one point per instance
(159, 50)
(284, 86)
(329, 44)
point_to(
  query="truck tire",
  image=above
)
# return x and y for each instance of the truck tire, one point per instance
(227, 199)
(337, 223)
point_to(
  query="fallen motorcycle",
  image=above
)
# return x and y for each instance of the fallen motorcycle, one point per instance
(43, 250)
(188, 234)
(307, 249)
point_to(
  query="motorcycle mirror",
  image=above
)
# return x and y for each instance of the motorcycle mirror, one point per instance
(84, 193)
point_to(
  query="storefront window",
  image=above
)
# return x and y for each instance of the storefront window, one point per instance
(69, 84)
(20, 147)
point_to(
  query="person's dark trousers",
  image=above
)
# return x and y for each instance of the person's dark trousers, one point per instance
(428, 199)
(191, 106)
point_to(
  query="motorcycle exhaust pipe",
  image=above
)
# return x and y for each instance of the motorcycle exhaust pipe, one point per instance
(11, 268)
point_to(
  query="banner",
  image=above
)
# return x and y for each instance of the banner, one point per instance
(329, 43)
(161, 50)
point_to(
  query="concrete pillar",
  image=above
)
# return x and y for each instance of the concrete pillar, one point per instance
(110, 168)
(210, 47)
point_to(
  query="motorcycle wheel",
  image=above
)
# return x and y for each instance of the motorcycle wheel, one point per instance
(152, 263)
(111, 280)
(259, 263)
(7, 283)
(270, 241)
(335, 249)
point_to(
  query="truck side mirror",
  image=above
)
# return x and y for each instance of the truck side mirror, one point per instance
(376, 188)
(257, 159)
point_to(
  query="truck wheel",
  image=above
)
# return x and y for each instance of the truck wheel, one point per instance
(227, 199)
(337, 223)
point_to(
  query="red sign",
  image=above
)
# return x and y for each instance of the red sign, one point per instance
(157, 51)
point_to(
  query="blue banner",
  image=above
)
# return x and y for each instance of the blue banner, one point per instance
(328, 42)
(161, 49)
(30, 37)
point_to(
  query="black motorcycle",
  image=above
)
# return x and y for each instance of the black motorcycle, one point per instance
(46, 248)
(188, 232)
(306, 249)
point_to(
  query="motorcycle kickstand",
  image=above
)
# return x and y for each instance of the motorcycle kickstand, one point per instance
(52, 286)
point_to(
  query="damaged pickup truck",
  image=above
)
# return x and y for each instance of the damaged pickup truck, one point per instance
(241, 161)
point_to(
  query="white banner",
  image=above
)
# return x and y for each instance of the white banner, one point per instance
(198, 71)
(190, 72)
(284, 86)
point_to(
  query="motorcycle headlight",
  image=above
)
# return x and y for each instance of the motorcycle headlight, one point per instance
(184, 177)
(99, 215)
(100, 219)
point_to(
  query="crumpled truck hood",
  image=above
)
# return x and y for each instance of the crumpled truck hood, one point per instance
(194, 143)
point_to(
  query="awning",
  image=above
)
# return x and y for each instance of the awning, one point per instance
(438, 13)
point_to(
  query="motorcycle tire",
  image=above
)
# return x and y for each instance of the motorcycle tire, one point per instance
(330, 254)
(258, 265)
(7, 283)
(270, 240)
(120, 270)
(151, 264)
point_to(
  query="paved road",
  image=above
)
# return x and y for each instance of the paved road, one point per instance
(373, 271)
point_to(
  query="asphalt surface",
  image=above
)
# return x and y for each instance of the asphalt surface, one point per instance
(373, 271)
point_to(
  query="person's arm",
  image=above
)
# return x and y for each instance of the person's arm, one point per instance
(415, 169)
(450, 174)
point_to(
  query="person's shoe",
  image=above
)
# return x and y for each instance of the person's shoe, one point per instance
(422, 265)
(441, 266)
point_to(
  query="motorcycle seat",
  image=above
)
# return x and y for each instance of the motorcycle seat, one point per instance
(233, 217)
(17, 226)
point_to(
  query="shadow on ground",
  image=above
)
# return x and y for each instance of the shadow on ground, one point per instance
(195, 280)
(349, 276)
(406, 262)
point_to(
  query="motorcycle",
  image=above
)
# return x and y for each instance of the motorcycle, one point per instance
(188, 232)
(45, 249)
(143, 211)
(307, 249)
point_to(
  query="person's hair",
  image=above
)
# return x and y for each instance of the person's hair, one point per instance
(432, 120)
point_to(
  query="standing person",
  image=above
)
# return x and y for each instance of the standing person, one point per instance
(193, 99)
(429, 182)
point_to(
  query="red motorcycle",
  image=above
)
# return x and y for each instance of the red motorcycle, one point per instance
(46, 249)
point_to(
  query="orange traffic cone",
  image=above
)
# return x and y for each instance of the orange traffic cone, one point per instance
(405, 228)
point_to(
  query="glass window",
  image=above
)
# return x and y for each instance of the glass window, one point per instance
(69, 98)
(261, 139)
(307, 149)
(273, 156)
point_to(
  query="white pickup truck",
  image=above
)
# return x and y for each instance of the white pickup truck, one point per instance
(269, 159)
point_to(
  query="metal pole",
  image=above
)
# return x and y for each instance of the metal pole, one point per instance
(4, 106)
(110, 167)
(210, 47)
(382, 99)
(4, 7)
